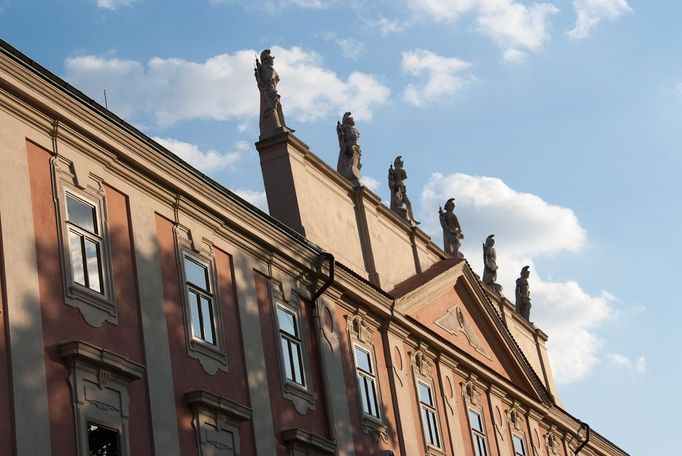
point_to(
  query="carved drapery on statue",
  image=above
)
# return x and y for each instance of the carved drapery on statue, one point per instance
(452, 231)
(490, 264)
(400, 203)
(271, 116)
(523, 294)
(349, 149)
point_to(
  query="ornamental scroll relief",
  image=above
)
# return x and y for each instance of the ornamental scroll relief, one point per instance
(454, 321)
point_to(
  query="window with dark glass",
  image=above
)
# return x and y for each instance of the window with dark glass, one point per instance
(290, 340)
(366, 382)
(85, 243)
(429, 415)
(477, 434)
(519, 448)
(200, 300)
(102, 441)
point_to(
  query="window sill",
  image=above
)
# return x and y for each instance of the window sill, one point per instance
(374, 427)
(302, 399)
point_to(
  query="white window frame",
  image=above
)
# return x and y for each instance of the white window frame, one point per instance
(300, 395)
(369, 377)
(292, 363)
(211, 356)
(95, 307)
(430, 410)
(523, 444)
(476, 435)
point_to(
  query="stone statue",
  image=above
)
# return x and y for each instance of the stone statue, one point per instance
(271, 117)
(400, 203)
(490, 264)
(349, 150)
(452, 232)
(523, 294)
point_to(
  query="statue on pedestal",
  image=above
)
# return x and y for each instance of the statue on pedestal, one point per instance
(523, 294)
(349, 150)
(271, 117)
(452, 231)
(490, 264)
(400, 203)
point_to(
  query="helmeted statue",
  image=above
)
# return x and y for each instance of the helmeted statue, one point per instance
(400, 203)
(349, 150)
(271, 117)
(452, 231)
(523, 294)
(490, 264)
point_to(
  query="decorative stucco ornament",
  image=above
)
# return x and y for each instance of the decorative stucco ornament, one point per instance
(349, 150)
(490, 264)
(400, 203)
(271, 116)
(452, 231)
(523, 294)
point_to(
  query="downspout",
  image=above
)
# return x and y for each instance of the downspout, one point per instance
(587, 436)
(317, 325)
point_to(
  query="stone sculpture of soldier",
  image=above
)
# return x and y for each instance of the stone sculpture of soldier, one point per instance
(523, 294)
(349, 149)
(271, 117)
(400, 203)
(452, 231)
(490, 264)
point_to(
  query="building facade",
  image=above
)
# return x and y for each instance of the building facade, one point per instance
(147, 310)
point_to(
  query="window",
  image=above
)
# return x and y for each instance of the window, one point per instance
(477, 434)
(200, 300)
(102, 441)
(429, 415)
(85, 242)
(519, 448)
(366, 382)
(290, 340)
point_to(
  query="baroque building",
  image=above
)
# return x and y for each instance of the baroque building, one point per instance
(147, 310)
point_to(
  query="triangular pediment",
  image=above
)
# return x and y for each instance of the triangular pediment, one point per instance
(450, 301)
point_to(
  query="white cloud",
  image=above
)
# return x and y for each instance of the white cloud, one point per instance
(525, 227)
(113, 4)
(209, 161)
(350, 47)
(388, 26)
(514, 56)
(513, 25)
(444, 76)
(591, 12)
(637, 365)
(255, 197)
(223, 87)
(370, 182)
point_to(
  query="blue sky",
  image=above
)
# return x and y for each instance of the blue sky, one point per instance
(556, 126)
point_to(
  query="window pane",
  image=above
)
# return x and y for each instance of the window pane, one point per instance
(102, 441)
(298, 365)
(76, 252)
(425, 423)
(193, 300)
(92, 258)
(207, 320)
(475, 421)
(425, 394)
(362, 385)
(196, 274)
(81, 213)
(518, 446)
(372, 398)
(286, 355)
(480, 446)
(287, 322)
(363, 361)
(433, 429)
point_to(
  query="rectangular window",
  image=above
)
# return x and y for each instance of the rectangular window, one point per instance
(366, 382)
(429, 415)
(290, 340)
(477, 434)
(102, 441)
(519, 448)
(200, 300)
(85, 243)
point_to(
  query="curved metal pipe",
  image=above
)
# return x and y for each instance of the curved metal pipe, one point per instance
(330, 259)
(587, 436)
